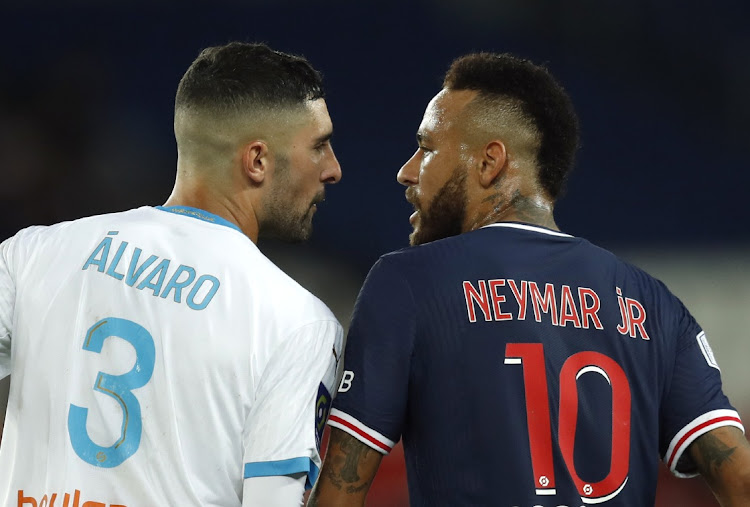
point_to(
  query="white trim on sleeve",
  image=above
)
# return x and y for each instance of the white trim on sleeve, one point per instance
(361, 432)
(697, 427)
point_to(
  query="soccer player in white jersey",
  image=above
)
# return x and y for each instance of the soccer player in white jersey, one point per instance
(157, 358)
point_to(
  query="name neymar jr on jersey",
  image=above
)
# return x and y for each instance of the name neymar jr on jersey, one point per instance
(563, 306)
(151, 273)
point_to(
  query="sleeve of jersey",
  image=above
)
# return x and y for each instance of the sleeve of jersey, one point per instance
(695, 402)
(7, 305)
(283, 430)
(371, 402)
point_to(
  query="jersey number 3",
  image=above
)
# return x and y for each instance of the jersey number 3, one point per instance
(118, 387)
(531, 357)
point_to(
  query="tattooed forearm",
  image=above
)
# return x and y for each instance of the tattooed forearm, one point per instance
(348, 471)
(723, 458)
(351, 452)
(712, 453)
(354, 451)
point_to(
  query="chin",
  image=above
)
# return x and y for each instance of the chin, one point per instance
(416, 238)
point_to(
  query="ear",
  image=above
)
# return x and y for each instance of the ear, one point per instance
(256, 161)
(493, 163)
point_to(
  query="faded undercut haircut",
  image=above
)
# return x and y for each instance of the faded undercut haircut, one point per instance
(516, 83)
(240, 76)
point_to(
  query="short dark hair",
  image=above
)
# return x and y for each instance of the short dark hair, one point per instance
(542, 99)
(238, 74)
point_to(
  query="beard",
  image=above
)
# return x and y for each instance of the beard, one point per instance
(283, 218)
(288, 223)
(445, 215)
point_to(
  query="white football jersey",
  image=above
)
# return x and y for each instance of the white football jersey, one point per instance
(156, 358)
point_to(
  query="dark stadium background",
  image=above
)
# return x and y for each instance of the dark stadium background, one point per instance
(661, 86)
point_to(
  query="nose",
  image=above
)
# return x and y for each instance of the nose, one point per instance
(332, 173)
(409, 172)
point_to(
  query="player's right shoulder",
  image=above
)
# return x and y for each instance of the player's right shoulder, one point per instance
(45, 242)
(41, 232)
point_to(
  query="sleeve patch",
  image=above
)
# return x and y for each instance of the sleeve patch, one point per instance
(706, 350)
(322, 408)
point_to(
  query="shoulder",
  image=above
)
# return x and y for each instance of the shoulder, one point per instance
(443, 250)
(36, 235)
(280, 297)
(636, 287)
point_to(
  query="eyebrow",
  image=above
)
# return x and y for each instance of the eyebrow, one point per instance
(323, 139)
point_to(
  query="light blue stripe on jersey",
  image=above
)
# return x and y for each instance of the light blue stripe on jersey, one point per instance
(199, 214)
(284, 467)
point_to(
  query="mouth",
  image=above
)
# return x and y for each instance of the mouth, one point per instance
(411, 198)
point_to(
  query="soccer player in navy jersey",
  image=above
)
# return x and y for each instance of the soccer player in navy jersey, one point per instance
(522, 366)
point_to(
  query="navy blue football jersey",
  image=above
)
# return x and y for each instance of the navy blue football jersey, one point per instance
(526, 367)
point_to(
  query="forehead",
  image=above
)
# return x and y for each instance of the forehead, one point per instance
(316, 117)
(444, 110)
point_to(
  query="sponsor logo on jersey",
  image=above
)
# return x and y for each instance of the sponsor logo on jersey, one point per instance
(65, 501)
(346, 381)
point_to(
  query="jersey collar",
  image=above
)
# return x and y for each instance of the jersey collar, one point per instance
(198, 214)
(527, 227)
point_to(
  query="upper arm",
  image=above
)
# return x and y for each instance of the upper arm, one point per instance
(283, 428)
(723, 459)
(694, 403)
(369, 411)
(372, 399)
(348, 471)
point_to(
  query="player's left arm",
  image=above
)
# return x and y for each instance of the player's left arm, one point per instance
(347, 474)
(286, 421)
(723, 458)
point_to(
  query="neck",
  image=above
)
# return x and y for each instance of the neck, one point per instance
(531, 209)
(237, 208)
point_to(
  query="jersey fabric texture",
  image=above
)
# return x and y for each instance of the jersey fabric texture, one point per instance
(526, 367)
(156, 358)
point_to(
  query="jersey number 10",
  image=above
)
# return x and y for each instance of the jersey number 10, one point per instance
(118, 387)
(531, 357)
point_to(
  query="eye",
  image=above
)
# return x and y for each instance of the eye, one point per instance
(424, 149)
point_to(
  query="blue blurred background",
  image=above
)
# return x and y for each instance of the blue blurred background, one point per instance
(661, 87)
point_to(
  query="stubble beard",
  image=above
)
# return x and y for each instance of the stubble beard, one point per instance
(286, 224)
(285, 219)
(445, 215)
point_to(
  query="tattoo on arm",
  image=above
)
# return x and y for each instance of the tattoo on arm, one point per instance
(348, 471)
(345, 472)
(354, 451)
(712, 454)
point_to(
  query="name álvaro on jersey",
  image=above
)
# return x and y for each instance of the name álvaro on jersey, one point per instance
(200, 291)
